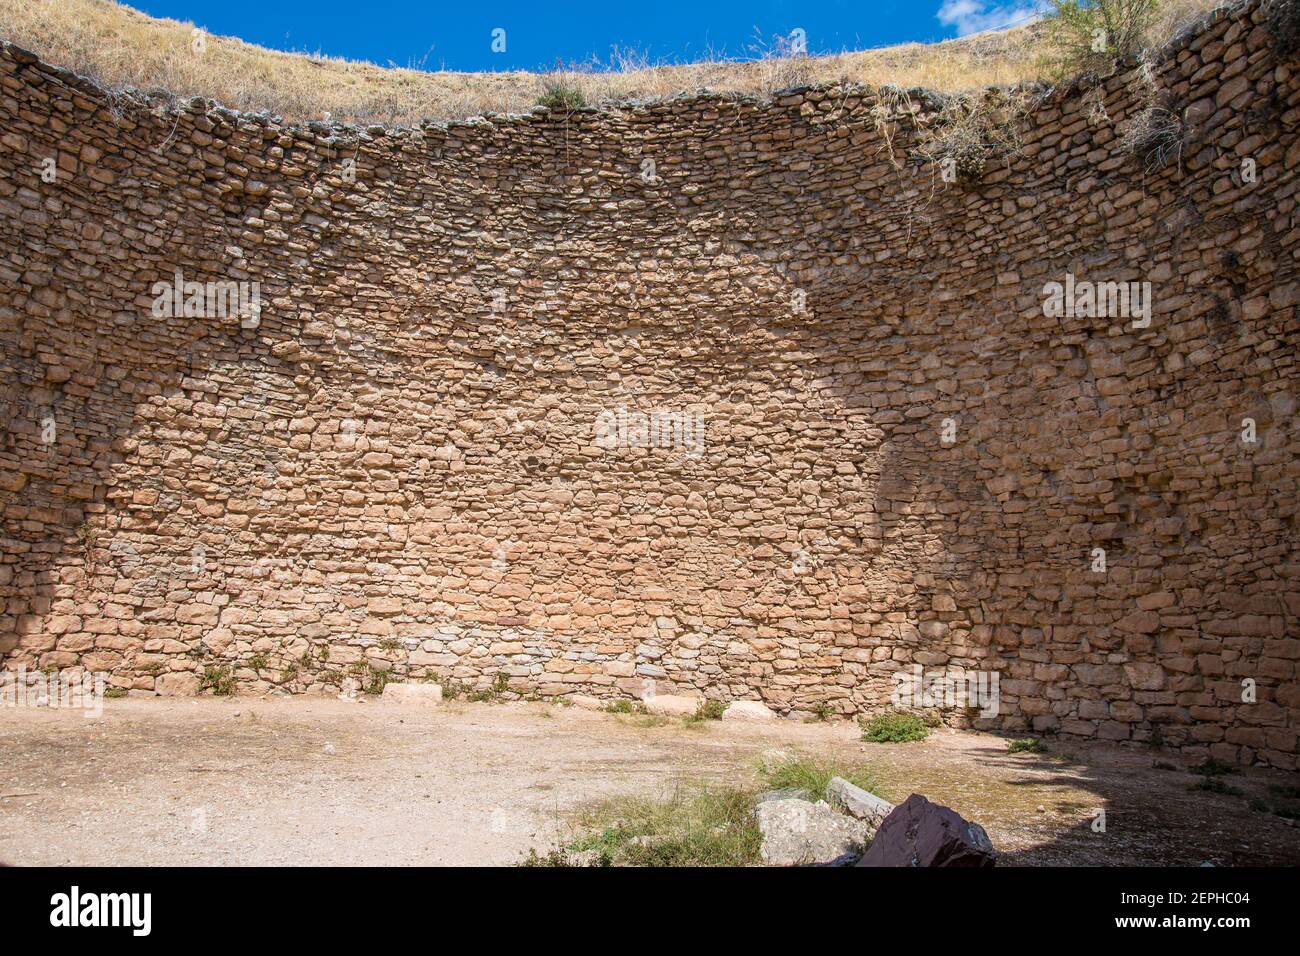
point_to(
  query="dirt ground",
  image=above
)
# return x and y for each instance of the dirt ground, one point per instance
(323, 782)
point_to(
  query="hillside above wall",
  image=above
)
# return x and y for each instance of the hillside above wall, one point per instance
(121, 48)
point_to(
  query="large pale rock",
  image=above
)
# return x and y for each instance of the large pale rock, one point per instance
(751, 710)
(858, 803)
(921, 833)
(412, 693)
(797, 832)
(586, 702)
(177, 684)
(670, 705)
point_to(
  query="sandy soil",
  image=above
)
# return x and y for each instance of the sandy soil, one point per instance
(298, 781)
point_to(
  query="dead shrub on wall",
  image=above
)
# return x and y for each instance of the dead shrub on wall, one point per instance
(971, 131)
(781, 65)
(1282, 20)
(1155, 137)
(1155, 134)
(892, 108)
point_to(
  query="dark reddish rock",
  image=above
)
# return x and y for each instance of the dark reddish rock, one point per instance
(921, 833)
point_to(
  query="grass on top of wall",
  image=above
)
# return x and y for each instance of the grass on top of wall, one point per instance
(120, 47)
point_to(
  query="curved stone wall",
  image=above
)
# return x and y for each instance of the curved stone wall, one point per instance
(731, 397)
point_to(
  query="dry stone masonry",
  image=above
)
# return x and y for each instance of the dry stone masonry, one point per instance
(727, 398)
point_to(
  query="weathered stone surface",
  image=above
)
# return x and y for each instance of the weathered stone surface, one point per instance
(859, 803)
(670, 705)
(586, 702)
(921, 833)
(177, 684)
(748, 710)
(424, 694)
(798, 832)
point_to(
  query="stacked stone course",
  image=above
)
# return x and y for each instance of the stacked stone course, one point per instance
(394, 466)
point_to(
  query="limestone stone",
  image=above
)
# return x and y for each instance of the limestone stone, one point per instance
(798, 832)
(856, 802)
(407, 693)
(748, 710)
(671, 705)
(177, 684)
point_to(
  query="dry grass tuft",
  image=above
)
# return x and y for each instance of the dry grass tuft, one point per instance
(971, 131)
(1155, 136)
(119, 48)
(697, 823)
(1282, 18)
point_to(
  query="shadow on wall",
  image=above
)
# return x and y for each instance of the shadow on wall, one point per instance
(73, 563)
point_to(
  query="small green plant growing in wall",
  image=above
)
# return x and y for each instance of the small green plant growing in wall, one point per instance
(374, 680)
(500, 684)
(894, 728)
(218, 679)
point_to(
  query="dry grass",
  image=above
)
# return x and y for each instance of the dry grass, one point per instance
(120, 47)
(1070, 31)
(971, 131)
(1174, 15)
(697, 823)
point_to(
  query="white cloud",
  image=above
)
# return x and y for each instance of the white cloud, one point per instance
(975, 16)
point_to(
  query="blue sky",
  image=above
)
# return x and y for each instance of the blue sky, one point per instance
(458, 36)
